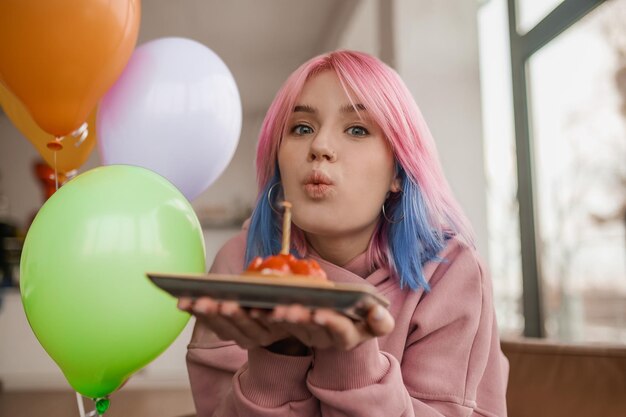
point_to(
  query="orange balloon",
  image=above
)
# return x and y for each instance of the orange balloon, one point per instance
(60, 57)
(71, 156)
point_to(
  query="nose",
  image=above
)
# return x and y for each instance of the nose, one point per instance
(321, 148)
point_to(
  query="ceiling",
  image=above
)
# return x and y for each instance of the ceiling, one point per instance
(261, 42)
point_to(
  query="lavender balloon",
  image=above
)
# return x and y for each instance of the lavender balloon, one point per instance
(176, 111)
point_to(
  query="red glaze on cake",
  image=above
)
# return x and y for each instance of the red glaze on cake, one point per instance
(281, 265)
(285, 263)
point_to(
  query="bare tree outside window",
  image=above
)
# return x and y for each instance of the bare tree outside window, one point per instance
(577, 111)
(579, 138)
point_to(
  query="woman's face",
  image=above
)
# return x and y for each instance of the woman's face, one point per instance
(336, 167)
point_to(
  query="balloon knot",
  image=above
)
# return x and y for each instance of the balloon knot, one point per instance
(55, 145)
(102, 405)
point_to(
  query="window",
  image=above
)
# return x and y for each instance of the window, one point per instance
(568, 157)
(531, 12)
(579, 137)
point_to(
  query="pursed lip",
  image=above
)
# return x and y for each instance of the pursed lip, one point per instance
(317, 178)
(317, 185)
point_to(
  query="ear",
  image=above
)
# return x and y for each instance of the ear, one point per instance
(395, 185)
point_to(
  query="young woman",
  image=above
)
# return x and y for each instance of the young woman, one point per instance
(345, 143)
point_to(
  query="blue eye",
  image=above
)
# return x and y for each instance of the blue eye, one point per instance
(301, 130)
(358, 131)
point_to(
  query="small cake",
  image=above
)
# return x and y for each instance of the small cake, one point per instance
(285, 264)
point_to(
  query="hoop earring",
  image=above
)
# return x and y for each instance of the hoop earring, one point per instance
(269, 197)
(390, 220)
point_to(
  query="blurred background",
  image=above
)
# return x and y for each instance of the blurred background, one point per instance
(526, 100)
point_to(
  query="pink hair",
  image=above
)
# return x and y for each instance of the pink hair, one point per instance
(389, 103)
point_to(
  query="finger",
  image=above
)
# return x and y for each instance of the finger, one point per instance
(261, 317)
(229, 308)
(279, 313)
(297, 313)
(300, 323)
(185, 303)
(296, 317)
(248, 327)
(205, 306)
(319, 336)
(297, 332)
(380, 321)
(225, 330)
(288, 318)
(343, 331)
(309, 334)
(207, 310)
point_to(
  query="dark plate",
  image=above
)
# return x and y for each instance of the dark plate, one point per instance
(353, 300)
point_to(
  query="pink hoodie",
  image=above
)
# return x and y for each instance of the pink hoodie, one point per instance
(443, 357)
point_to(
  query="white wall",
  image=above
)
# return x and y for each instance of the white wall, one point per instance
(436, 54)
(362, 31)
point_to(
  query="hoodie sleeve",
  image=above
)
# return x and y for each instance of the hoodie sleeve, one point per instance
(266, 384)
(451, 364)
(227, 380)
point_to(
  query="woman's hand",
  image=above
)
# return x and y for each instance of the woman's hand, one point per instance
(321, 328)
(326, 329)
(247, 328)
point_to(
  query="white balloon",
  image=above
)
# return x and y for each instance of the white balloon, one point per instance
(174, 110)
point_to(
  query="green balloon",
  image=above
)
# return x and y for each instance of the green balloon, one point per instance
(82, 273)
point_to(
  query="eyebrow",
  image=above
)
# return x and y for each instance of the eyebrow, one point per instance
(303, 108)
(348, 108)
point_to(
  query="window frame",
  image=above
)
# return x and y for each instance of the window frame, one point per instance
(522, 47)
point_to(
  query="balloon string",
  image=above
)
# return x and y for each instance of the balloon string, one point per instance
(81, 408)
(56, 173)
